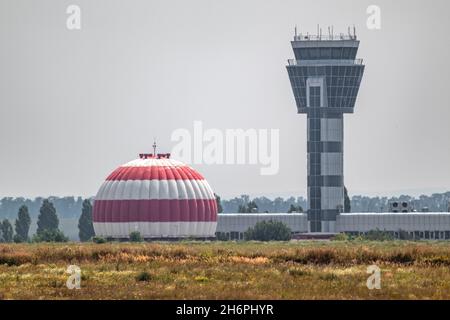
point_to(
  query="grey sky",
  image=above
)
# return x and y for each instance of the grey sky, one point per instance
(76, 104)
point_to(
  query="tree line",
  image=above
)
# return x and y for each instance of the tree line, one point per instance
(47, 225)
(71, 207)
(67, 207)
(437, 202)
(244, 204)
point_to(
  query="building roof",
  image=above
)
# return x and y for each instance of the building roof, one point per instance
(261, 214)
(395, 213)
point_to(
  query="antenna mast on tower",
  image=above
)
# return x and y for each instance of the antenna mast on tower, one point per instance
(154, 147)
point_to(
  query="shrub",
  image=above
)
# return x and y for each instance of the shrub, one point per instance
(98, 239)
(321, 256)
(144, 276)
(269, 231)
(15, 259)
(50, 236)
(402, 258)
(135, 236)
(377, 235)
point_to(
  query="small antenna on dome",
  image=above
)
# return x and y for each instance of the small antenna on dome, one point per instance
(154, 147)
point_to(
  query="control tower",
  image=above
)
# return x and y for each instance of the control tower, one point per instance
(325, 77)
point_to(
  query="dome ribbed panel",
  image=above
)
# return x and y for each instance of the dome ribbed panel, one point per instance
(157, 197)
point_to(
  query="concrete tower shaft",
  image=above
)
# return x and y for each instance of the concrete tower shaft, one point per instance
(325, 77)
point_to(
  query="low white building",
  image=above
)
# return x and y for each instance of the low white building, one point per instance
(414, 225)
(417, 225)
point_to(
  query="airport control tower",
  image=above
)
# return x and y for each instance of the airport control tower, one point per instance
(325, 77)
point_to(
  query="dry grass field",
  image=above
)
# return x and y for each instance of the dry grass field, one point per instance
(226, 270)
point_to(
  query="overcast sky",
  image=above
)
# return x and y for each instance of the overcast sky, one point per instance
(74, 105)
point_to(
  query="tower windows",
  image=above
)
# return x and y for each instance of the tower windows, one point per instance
(314, 97)
(315, 92)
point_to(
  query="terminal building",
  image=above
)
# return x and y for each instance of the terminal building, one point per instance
(412, 225)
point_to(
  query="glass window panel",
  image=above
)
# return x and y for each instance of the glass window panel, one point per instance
(348, 71)
(346, 53)
(314, 53)
(336, 53)
(325, 53)
(335, 71)
(304, 54)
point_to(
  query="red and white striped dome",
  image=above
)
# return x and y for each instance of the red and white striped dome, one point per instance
(156, 196)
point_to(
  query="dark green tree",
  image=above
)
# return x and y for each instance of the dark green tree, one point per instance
(6, 231)
(269, 231)
(295, 209)
(47, 219)
(347, 205)
(252, 207)
(219, 204)
(22, 224)
(85, 226)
